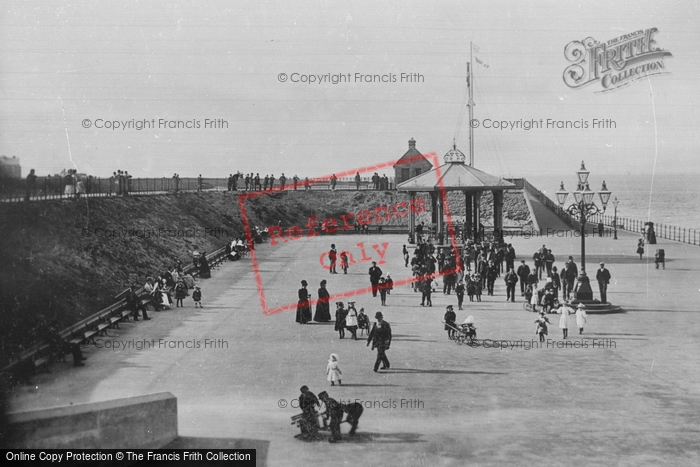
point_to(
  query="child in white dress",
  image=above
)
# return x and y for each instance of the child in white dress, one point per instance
(333, 370)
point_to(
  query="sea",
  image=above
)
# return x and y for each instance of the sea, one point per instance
(670, 199)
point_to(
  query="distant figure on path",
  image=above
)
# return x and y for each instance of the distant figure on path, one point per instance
(640, 248)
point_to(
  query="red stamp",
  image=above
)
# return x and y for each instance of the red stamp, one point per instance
(364, 253)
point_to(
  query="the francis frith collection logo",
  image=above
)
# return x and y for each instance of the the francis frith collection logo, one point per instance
(615, 63)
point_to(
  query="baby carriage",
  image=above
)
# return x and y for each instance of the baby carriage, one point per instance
(465, 333)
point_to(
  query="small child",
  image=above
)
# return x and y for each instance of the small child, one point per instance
(344, 262)
(469, 328)
(477, 287)
(542, 322)
(333, 370)
(450, 318)
(180, 293)
(389, 284)
(383, 290)
(197, 297)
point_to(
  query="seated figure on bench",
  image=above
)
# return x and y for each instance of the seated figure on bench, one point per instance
(134, 303)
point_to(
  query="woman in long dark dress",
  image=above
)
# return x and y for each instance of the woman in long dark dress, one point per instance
(204, 271)
(323, 311)
(303, 307)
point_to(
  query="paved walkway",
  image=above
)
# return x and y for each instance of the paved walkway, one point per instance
(627, 394)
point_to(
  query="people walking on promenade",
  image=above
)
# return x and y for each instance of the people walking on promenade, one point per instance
(333, 370)
(323, 312)
(640, 248)
(406, 256)
(357, 181)
(603, 278)
(571, 274)
(511, 279)
(375, 273)
(523, 273)
(556, 282)
(380, 338)
(303, 307)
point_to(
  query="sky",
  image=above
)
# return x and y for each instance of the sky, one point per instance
(69, 69)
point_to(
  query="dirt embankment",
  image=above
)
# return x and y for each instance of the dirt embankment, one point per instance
(66, 260)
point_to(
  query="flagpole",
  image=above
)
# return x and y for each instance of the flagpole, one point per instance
(470, 78)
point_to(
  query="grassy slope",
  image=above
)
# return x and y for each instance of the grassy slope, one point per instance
(49, 267)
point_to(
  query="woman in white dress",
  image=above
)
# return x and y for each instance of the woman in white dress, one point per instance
(333, 370)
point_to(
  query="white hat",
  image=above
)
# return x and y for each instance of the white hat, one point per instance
(333, 355)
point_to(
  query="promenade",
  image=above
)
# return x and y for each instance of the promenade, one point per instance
(628, 394)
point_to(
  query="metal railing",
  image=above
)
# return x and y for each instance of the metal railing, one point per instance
(58, 187)
(665, 231)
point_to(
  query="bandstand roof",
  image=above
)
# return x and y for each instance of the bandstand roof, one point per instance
(455, 175)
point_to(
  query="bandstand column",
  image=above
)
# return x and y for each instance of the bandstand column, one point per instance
(476, 209)
(440, 219)
(468, 230)
(498, 214)
(411, 218)
(433, 210)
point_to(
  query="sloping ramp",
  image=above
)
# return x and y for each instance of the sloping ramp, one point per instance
(543, 217)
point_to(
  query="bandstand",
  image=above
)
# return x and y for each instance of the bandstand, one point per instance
(456, 175)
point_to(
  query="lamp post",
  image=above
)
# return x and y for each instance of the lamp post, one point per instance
(583, 208)
(615, 203)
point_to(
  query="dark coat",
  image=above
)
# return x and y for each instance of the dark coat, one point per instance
(380, 335)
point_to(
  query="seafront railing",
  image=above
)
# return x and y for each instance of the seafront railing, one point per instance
(54, 188)
(665, 231)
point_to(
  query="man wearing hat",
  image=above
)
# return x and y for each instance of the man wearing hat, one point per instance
(603, 278)
(523, 272)
(380, 337)
(375, 273)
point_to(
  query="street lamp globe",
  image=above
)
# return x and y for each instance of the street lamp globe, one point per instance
(561, 195)
(604, 195)
(583, 174)
(588, 194)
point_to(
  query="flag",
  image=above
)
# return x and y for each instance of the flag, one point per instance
(481, 63)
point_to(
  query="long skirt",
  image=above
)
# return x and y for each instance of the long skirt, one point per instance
(303, 312)
(323, 312)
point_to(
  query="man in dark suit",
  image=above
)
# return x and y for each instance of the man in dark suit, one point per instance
(603, 278)
(571, 276)
(523, 272)
(380, 338)
(375, 273)
(511, 279)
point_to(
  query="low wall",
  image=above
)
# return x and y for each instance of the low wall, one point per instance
(142, 422)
